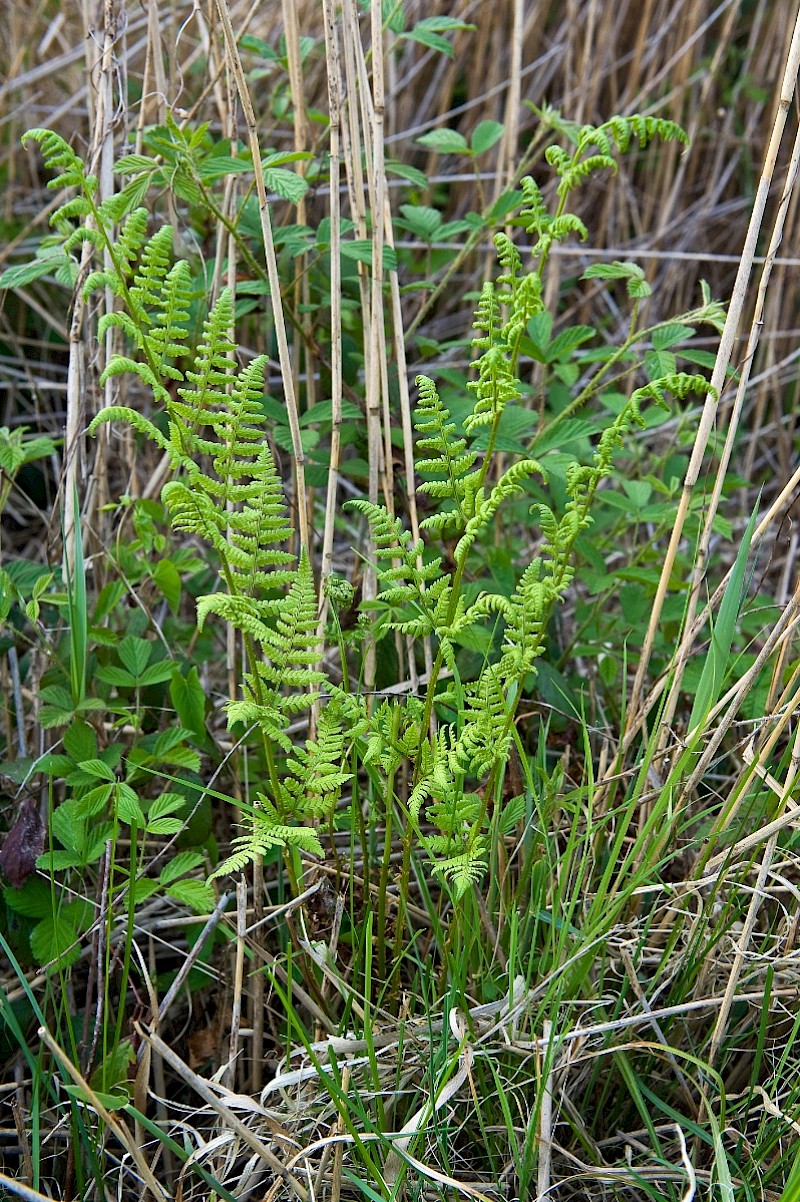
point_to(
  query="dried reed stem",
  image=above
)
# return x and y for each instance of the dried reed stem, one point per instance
(292, 411)
(723, 358)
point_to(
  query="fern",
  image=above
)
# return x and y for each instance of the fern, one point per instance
(226, 491)
(441, 452)
(419, 591)
(317, 769)
(60, 157)
(266, 831)
(201, 404)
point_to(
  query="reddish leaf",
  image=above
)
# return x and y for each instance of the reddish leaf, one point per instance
(23, 843)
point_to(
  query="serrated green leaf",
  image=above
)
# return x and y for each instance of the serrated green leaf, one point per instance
(94, 802)
(445, 141)
(703, 359)
(428, 32)
(53, 765)
(182, 757)
(156, 673)
(120, 677)
(56, 695)
(59, 861)
(659, 363)
(671, 335)
(144, 888)
(539, 329)
(423, 220)
(608, 669)
(80, 741)
(113, 1070)
(163, 826)
(167, 578)
(135, 654)
(618, 270)
(219, 165)
(567, 341)
(434, 41)
(97, 768)
(485, 135)
(412, 174)
(7, 594)
(179, 865)
(32, 900)
(132, 164)
(165, 804)
(25, 273)
(52, 937)
(360, 249)
(67, 827)
(196, 895)
(126, 805)
(286, 184)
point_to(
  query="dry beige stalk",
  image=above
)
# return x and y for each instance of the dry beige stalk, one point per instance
(284, 356)
(723, 359)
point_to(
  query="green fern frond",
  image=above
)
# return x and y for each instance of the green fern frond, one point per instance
(293, 646)
(210, 377)
(121, 365)
(155, 259)
(441, 450)
(527, 303)
(257, 531)
(534, 213)
(418, 589)
(240, 427)
(170, 329)
(509, 485)
(511, 262)
(117, 320)
(541, 585)
(488, 605)
(485, 735)
(488, 318)
(267, 831)
(116, 207)
(455, 814)
(681, 385)
(266, 713)
(463, 871)
(622, 130)
(122, 413)
(576, 172)
(317, 770)
(193, 511)
(60, 157)
(494, 388)
(239, 612)
(75, 209)
(536, 218)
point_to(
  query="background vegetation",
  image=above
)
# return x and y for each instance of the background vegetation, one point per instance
(338, 863)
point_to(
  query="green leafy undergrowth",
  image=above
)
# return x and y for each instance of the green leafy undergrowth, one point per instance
(226, 491)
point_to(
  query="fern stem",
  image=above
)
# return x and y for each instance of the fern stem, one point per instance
(387, 842)
(405, 876)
